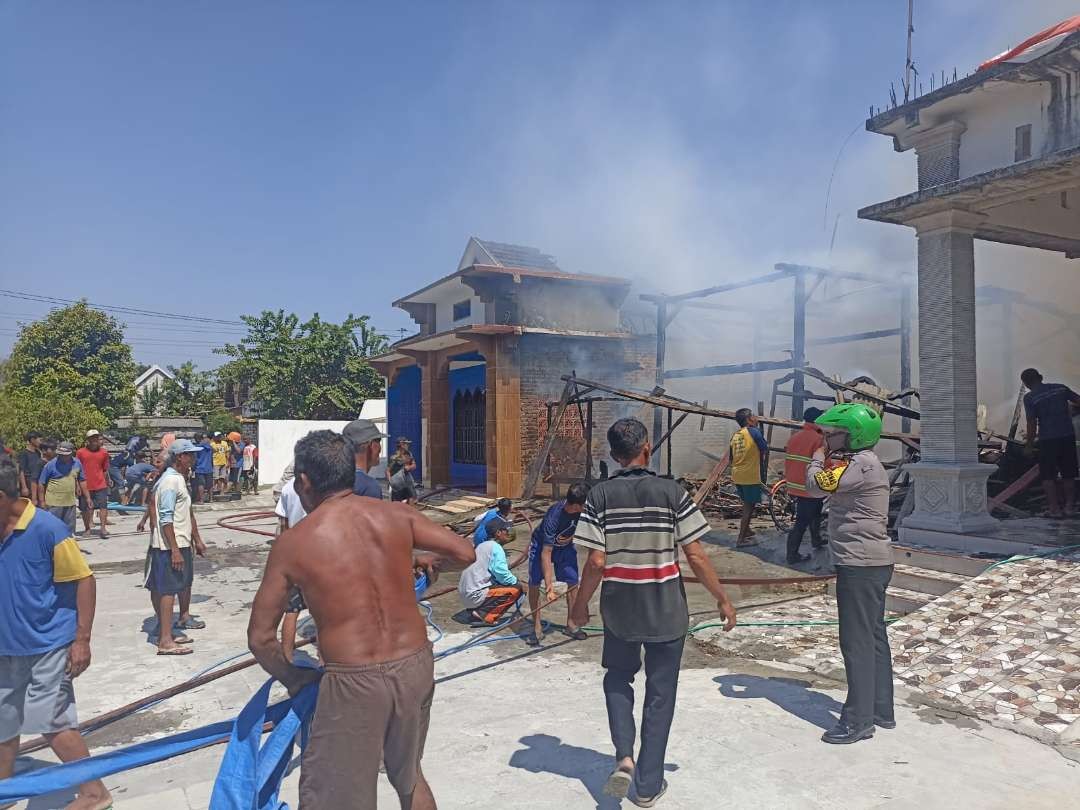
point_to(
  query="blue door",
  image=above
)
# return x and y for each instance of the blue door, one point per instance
(403, 412)
(468, 416)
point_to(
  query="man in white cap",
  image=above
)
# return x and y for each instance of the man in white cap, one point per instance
(367, 439)
(170, 564)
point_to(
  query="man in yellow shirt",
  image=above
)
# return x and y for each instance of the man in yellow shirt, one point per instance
(220, 448)
(748, 450)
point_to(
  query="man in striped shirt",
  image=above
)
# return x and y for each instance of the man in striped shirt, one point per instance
(632, 526)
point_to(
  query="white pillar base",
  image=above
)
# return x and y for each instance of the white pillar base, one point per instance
(950, 498)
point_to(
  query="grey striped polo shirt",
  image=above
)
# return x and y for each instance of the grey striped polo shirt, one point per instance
(639, 520)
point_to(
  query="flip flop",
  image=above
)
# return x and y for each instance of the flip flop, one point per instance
(190, 623)
(745, 543)
(176, 651)
(618, 783)
(177, 639)
(532, 640)
(577, 635)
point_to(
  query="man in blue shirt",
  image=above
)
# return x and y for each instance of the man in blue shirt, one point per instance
(47, 597)
(367, 439)
(502, 510)
(204, 469)
(1049, 420)
(553, 557)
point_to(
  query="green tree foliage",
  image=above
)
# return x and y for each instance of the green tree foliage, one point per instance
(78, 352)
(220, 419)
(310, 370)
(150, 399)
(52, 413)
(190, 392)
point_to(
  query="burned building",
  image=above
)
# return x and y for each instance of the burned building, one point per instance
(471, 390)
(998, 160)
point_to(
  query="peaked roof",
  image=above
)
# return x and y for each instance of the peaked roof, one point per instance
(1035, 46)
(146, 375)
(501, 254)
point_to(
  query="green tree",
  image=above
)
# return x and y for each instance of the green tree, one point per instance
(310, 370)
(76, 351)
(220, 419)
(150, 399)
(190, 392)
(53, 413)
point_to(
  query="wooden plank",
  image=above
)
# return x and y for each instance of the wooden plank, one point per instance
(710, 482)
(1015, 488)
(537, 467)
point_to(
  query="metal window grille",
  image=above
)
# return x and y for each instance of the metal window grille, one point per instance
(470, 413)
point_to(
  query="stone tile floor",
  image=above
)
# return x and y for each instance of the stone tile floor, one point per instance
(1005, 646)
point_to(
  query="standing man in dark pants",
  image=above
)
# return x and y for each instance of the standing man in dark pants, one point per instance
(808, 510)
(858, 490)
(1048, 418)
(632, 525)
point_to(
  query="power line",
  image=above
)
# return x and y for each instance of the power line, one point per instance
(48, 299)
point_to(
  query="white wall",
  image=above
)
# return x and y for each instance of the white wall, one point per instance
(278, 437)
(993, 114)
(444, 298)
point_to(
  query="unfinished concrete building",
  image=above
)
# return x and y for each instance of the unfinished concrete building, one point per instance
(998, 159)
(472, 388)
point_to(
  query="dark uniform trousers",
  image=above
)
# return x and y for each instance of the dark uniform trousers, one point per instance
(860, 602)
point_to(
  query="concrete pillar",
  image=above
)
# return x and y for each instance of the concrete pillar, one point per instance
(950, 483)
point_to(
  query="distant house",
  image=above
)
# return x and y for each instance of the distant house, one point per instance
(153, 377)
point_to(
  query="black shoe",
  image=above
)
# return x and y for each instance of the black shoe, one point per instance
(881, 722)
(818, 546)
(843, 734)
(798, 558)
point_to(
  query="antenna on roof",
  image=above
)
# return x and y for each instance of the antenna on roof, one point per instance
(909, 66)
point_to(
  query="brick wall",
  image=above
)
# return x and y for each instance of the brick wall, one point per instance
(544, 359)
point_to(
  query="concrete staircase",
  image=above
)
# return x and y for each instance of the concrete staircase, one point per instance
(921, 576)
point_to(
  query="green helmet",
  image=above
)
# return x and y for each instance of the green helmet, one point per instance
(861, 422)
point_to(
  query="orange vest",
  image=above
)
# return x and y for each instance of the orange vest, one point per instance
(797, 455)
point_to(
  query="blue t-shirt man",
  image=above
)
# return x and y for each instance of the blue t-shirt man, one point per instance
(501, 510)
(40, 564)
(136, 473)
(1047, 404)
(556, 531)
(365, 485)
(204, 461)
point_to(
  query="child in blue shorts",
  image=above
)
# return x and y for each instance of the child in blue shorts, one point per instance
(553, 557)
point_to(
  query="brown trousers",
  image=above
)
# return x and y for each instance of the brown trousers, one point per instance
(364, 715)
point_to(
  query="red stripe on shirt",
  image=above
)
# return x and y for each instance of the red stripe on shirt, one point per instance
(642, 574)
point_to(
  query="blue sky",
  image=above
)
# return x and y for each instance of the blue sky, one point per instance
(220, 158)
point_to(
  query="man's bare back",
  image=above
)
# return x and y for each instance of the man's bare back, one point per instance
(352, 559)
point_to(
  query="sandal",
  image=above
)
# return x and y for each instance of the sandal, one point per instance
(176, 651)
(577, 635)
(745, 543)
(618, 783)
(190, 623)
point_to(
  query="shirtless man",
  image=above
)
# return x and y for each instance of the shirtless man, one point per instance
(352, 558)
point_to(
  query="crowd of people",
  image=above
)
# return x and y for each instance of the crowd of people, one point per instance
(352, 562)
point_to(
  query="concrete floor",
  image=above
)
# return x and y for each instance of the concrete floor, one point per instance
(512, 724)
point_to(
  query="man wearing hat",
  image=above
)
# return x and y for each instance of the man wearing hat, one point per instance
(95, 464)
(170, 565)
(808, 508)
(367, 439)
(399, 472)
(63, 484)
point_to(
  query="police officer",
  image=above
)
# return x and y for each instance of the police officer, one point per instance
(858, 491)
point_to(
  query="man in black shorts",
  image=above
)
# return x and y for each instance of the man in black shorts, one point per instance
(1049, 420)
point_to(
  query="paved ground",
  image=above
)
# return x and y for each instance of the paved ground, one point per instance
(511, 724)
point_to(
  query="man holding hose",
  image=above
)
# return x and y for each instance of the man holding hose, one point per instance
(632, 525)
